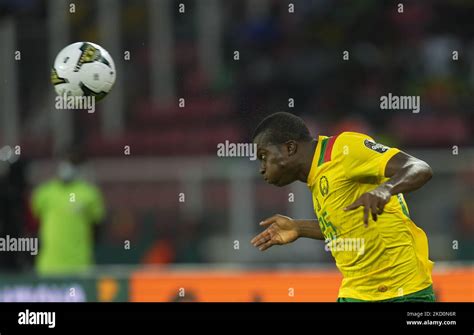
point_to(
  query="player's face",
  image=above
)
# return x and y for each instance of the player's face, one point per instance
(275, 163)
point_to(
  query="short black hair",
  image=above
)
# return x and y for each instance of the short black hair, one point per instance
(282, 127)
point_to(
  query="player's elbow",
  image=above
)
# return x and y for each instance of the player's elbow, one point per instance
(425, 171)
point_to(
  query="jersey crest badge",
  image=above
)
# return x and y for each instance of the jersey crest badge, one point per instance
(324, 186)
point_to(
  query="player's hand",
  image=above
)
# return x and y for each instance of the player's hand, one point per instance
(373, 202)
(280, 230)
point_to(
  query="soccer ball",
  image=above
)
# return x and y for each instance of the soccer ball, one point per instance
(83, 69)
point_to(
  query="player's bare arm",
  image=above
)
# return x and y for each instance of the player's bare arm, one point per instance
(406, 174)
(282, 229)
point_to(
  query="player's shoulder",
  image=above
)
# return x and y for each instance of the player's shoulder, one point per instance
(350, 138)
(44, 189)
(86, 185)
(90, 188)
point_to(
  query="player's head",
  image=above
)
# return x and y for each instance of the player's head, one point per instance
(69, 166)
(278, 138)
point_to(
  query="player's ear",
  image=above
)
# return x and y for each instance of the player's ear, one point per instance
(291, 147)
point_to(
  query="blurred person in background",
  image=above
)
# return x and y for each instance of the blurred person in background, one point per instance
(13, 207)
(69, 210)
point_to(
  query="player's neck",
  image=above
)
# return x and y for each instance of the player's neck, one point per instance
(308, 150)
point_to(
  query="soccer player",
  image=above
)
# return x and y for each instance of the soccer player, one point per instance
(357, 188)
(69, 210)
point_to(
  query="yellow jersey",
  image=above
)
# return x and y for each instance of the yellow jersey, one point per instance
(389, 258)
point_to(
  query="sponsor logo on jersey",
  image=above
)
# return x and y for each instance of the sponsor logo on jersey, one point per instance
(375, 146)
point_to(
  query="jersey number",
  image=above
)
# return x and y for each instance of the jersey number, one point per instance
(327, 228)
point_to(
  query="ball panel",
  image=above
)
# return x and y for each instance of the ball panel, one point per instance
(99, 95)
